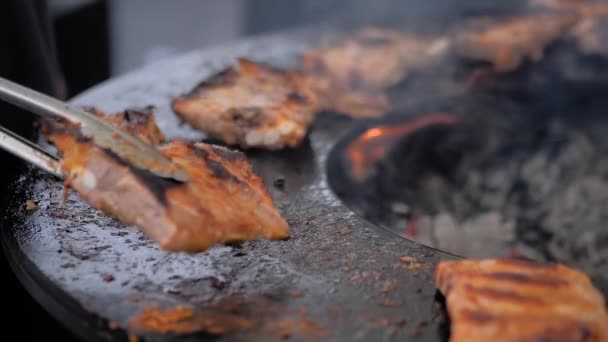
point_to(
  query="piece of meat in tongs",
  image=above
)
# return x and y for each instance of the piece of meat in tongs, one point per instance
(118, 141)
(221, 201)
(251, 105)
(351, 75)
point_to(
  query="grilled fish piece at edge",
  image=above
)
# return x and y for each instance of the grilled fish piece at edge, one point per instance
(515, 300)
(223, 201)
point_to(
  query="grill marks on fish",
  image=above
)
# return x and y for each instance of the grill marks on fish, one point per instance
(520, 300)
(216, 167)
(221, 78)
(524, 279)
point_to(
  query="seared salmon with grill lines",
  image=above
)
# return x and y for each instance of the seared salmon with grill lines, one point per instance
(516, 300)
(251, 105)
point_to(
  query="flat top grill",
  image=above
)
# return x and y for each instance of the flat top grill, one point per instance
(338, 277)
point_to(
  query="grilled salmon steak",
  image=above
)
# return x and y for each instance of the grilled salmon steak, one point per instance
(515, 300)
(223, 201)
(352, 74)
(251, 105)
(506, 43)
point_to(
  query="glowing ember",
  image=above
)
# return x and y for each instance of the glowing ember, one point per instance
(372, 145)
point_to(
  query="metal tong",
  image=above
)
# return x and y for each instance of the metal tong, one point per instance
(104, 135)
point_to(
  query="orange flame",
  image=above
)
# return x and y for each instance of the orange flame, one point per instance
(373, 144)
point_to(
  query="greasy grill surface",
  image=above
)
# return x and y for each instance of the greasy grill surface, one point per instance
(520, 301)
(225, 201)
(336, 277)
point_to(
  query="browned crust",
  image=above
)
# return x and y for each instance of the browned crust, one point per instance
(139, 122)
(251, 105)
(513, 300)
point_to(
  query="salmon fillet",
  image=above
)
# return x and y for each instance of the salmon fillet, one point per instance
(353, 73)
(251, 105)
(223, 201)
(514, 300)
(508, 42)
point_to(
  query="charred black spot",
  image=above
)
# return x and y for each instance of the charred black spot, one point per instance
(216, 168)
(295, 97)
(479, 317)
(279, 183)
(82, 139)
(221, 78)
(230, 155)
(586, 334)
(218, 284)
(51, 127)
(158, 186)
(138, 116)
(246, 116)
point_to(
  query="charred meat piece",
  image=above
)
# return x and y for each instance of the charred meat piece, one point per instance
(224, 200)
(251, 105)
(506, 43)
(352, 74)
(515, 300)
